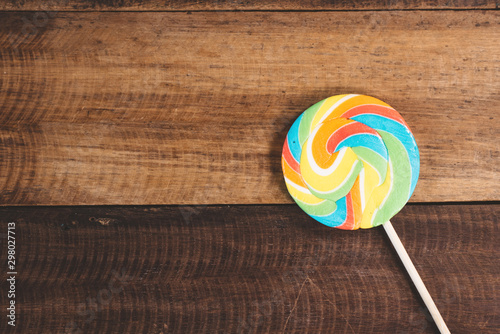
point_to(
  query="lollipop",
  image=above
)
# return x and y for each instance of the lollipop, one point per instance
(351, 161)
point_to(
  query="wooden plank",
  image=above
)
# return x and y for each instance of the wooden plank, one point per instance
(248, 269)
(166, 5)
(176, 108)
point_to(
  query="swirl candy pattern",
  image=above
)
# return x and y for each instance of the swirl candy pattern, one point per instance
(350, 161)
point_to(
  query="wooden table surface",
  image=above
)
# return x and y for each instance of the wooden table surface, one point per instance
(140, 146)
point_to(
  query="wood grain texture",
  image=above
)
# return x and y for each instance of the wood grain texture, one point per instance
(169, 5)
(193, 108)
(248, 269)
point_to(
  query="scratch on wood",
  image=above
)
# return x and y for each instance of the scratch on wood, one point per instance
(333, 304)
(295, 304)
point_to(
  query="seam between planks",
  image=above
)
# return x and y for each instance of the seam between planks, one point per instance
(497, 7)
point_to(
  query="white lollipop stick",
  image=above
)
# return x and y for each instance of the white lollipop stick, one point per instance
(415, 277)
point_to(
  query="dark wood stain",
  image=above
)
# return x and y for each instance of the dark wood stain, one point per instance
(249, 269)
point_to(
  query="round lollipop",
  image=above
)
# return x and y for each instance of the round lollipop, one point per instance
(351, 161)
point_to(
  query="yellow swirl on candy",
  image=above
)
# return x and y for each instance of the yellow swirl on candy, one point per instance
(350, 161)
